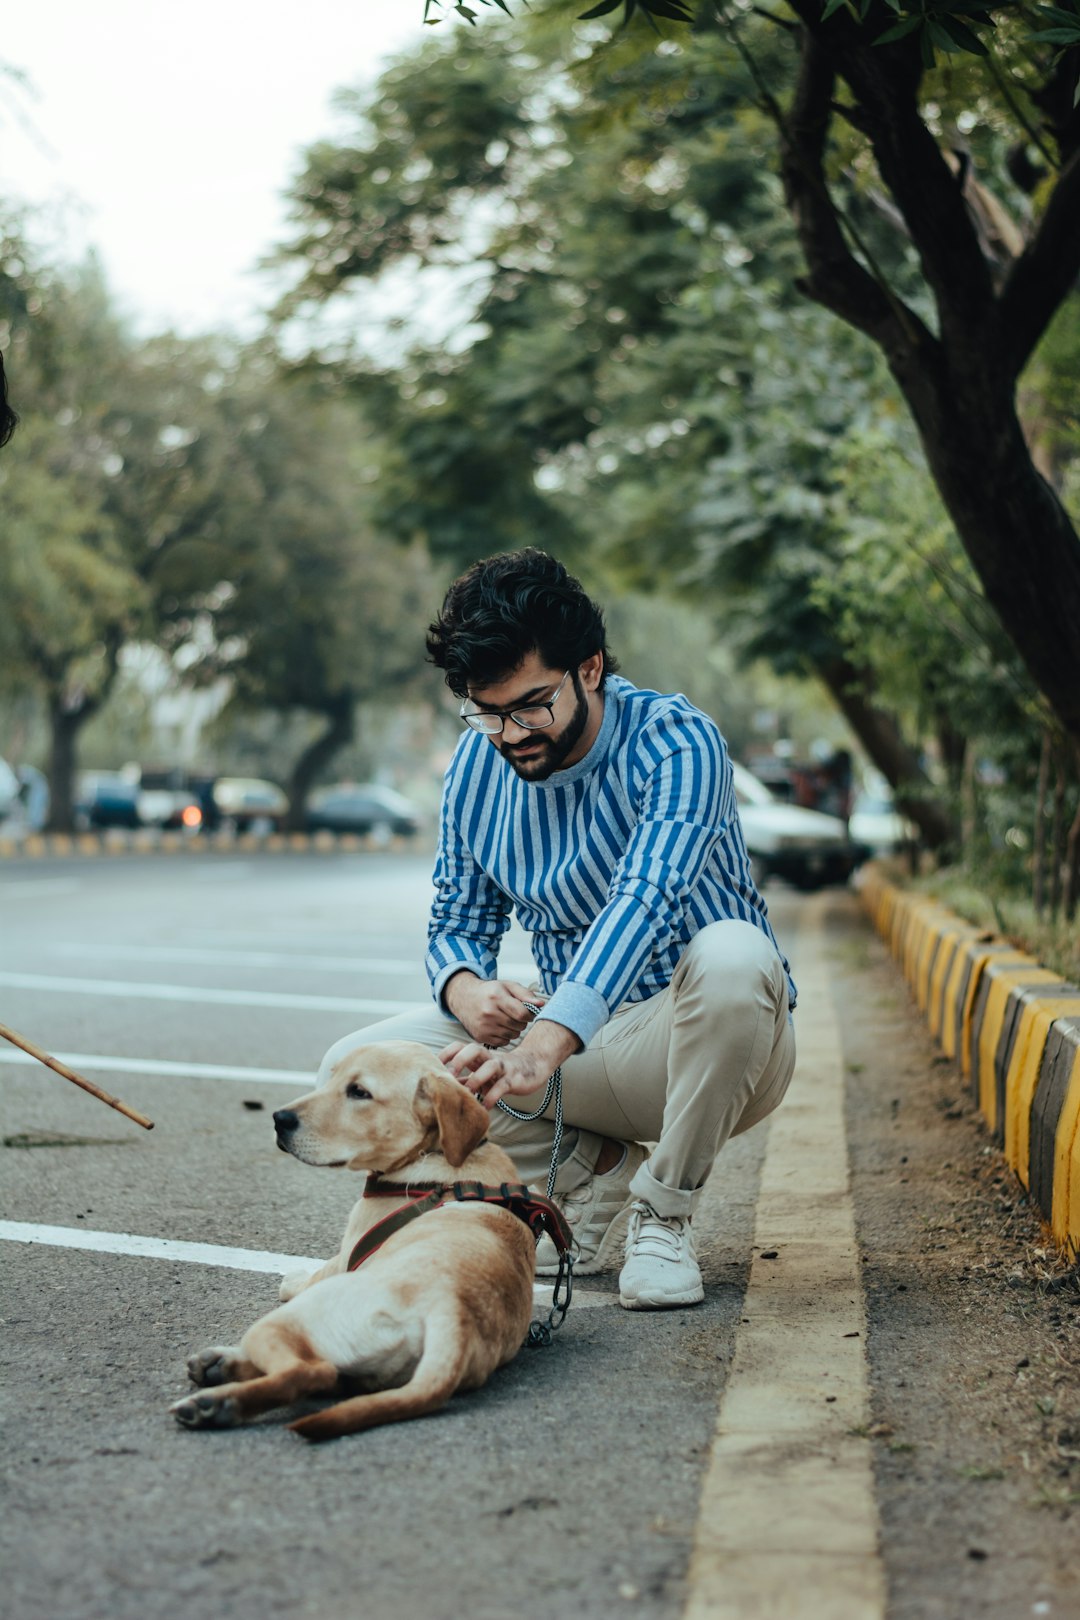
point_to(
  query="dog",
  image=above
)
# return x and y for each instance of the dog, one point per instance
(443, 1302)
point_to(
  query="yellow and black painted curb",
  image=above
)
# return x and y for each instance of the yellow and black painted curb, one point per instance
(153, 841)
(1013, 1027)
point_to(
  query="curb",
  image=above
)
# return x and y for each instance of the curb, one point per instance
(116, 841)
(1013, 1027)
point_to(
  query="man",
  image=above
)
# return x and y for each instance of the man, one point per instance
(604, 816)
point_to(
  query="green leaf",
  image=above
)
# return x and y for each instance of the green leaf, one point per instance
(599, 11)
(832, 5)
(943, 40)
(899, 30)
(674, 10)
(1058, 36)
(963, 37)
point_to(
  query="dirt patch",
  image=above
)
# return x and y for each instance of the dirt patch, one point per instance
(974, 1338)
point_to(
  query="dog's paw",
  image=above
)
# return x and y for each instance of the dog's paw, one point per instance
(206, 1412)
(217, 1365)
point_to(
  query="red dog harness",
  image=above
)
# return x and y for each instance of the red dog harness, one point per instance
(539, 1214)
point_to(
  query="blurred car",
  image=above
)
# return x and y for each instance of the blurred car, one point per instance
(167, 798)
(878, 826)
(805, 847)
(105, 799)
(364, 807)
(9, 790)
(249, 804)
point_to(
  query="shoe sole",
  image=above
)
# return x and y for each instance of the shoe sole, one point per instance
(690, 1296)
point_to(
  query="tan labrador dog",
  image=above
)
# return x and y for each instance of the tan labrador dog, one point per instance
(444, 1302)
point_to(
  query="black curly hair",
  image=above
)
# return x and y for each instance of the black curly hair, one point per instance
(505, 607)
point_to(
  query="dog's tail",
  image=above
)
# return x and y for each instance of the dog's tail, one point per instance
(437, 1375)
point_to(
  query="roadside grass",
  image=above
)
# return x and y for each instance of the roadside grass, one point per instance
(978, 901)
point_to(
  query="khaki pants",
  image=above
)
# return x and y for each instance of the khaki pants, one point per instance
(701, 1061)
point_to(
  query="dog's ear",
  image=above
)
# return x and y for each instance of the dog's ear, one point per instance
(462, 1122)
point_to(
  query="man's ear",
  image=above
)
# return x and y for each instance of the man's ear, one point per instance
(462, 1122)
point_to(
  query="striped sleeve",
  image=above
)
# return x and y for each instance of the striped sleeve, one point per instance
(685, 802)
(469, 912)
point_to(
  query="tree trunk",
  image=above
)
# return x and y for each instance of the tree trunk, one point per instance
(340, 729)
(960, 382)
(65, 725)
(916, 796)
(1012, 525)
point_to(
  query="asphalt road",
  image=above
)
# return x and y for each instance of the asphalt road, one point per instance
(203, 990)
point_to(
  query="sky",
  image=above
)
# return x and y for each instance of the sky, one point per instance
(163, 134)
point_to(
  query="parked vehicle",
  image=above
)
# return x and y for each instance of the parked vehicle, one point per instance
(807, 848)
(9, 790)
(249, 804)
(363, 807)
(878, 826)
(169, 798)
(105, 799)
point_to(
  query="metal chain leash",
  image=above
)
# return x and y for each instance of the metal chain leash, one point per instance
(554, 1085)
(540, 1332)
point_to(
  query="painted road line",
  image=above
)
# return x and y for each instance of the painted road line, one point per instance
(22, 888)
(210, 1254)
(788, 1523)
(294, 959)
(154, 1248)
(209, 958)
(137, 991)
(297, 1078)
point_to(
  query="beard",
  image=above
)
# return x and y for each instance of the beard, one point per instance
(550, 752)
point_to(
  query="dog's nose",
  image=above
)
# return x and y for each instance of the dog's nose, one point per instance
(285, 1120)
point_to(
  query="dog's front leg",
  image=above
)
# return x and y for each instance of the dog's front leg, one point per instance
(296, 1281)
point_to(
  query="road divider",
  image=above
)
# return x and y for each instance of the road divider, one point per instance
(1013, 1027)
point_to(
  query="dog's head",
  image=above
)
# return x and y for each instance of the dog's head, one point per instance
(381, 1108)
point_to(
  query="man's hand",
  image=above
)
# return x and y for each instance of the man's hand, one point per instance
(491, 1075)
(492, 1010)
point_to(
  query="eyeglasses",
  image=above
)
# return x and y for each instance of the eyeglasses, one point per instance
(531, 717)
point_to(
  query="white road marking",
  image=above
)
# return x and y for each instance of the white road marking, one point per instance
(294, 959)
(153, 1248)
(298, 1078)
(185, 992)
(208, 958)
(20, 887)
(788, 1523)
(209, 1254)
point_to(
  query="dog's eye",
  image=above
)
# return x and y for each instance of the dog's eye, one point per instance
(357, 1092)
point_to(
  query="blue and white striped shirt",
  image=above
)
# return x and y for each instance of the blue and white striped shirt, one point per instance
(612, 865)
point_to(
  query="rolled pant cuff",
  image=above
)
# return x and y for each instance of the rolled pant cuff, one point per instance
(679, 1201)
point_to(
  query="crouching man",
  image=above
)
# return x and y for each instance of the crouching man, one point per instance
(604, 816)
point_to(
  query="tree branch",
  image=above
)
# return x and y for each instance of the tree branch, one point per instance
(884, 81)
(1044, 272)
(836, 278)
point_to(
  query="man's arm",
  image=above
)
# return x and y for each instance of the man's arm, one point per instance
(685, 802)
(469, 915)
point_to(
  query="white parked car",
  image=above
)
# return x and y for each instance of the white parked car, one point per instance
(250, 804)
(878, 825)
(805, 847)
(9, 790)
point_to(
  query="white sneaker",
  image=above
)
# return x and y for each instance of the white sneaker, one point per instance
(596, 1213)
(661, 1267)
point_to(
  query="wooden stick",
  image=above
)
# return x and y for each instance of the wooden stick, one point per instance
(69, 1074)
